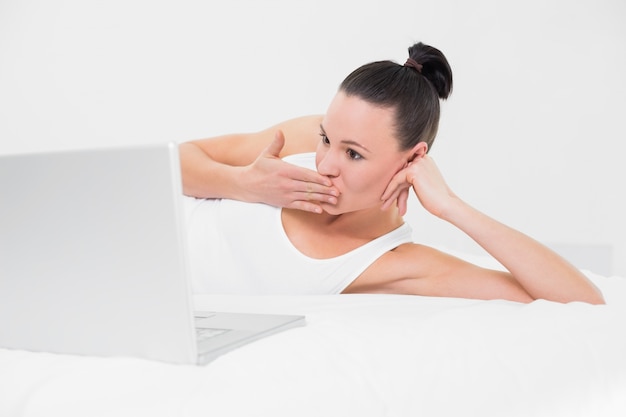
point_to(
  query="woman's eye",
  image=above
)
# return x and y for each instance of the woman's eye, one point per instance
(324, 139)
(353, 154)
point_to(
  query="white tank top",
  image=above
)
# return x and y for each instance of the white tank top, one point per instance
(242, 248)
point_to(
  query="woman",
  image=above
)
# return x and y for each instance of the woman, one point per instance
(340, 229)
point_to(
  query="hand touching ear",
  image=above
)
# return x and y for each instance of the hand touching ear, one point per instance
(429, 185)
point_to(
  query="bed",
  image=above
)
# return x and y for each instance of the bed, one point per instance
(359, 355)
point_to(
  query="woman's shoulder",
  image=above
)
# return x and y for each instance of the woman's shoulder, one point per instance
(302, 134)
(411, 260)
(406, 261)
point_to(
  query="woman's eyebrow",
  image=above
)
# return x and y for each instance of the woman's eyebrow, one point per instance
(346, 141)
(354, 143)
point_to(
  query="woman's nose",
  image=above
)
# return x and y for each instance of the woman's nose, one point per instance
(328, 165)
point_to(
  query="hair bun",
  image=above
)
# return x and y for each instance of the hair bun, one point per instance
(434, 66)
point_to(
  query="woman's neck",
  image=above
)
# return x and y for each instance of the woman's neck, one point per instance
(363, 224)
(324, 236)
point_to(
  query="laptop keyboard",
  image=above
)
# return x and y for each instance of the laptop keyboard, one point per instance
(206, 333)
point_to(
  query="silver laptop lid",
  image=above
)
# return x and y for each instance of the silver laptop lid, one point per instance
(92, 257)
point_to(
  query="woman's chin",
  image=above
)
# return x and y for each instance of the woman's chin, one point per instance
(339, 208)
(331, 209)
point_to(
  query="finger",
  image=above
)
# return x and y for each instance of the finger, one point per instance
(314, 187)
(389, 201)
(305, 206)
(393, 188)
(276, 146)
(306, 176)
(296, 172)
(393, 195)
(316, 197)
(394, 185)
(402, 202)
(310, 178)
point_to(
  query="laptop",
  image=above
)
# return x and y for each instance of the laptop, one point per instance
(93, 260)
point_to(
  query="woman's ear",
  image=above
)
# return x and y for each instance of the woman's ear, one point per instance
(418, 151)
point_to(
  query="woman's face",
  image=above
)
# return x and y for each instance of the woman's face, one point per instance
(358, 151)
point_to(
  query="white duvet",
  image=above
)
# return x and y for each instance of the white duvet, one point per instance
(359, 355)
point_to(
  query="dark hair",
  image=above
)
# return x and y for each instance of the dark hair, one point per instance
(413, 90)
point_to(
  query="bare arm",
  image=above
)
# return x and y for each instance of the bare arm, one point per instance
(206, 177)
(537, 270)
(540, 271)
(248, 167)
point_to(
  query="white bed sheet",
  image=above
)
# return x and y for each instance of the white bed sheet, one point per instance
(359, 355)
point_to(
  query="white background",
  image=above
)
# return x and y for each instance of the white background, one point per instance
(532, 134)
